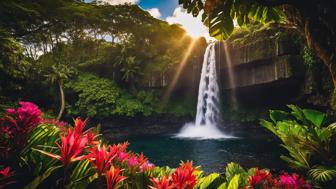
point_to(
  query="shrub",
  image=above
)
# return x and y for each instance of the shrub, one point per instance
(15, 127)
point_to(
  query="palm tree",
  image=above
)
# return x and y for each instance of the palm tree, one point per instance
(58, 74)
(130, 69)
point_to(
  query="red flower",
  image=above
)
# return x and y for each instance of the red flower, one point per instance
(71, 145)
(260, 177)
(5, 179)
(164, 183)
(113, 177)
(102, 158)
(183, 177)
(6, 172)
(122, 155)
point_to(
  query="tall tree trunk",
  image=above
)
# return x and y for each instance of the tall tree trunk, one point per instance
(316, 20)
(60, 85)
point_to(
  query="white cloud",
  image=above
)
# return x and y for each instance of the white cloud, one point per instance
(155, 12)
(116, 2)
(193, 25)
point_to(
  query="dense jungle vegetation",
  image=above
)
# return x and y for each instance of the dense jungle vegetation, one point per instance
(51, 51)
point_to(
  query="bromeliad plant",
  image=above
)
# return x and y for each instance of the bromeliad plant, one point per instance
(112, 163)
(73, 143)
(309, 140)
(184, 177)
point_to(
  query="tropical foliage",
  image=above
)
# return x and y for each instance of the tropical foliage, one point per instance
(47, 46)
(309, 140)
(219, 15)
(61, 156)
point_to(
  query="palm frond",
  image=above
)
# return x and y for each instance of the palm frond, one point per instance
(323, 174)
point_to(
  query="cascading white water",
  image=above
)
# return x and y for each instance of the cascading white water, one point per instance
(205, 126)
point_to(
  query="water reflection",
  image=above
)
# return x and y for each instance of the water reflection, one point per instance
(212, 155)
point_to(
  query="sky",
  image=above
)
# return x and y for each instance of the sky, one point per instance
(170, 11)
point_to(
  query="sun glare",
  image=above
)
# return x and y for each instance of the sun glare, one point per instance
(193, 25)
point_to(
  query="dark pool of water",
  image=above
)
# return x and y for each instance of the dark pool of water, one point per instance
(248, 150)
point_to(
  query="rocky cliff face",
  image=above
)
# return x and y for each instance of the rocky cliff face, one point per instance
(259, 70)
(262, 59)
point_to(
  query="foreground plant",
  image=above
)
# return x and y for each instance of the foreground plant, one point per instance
(101, 157)
(72, 144)
(87, 163)
(184, 177)
(309, 141)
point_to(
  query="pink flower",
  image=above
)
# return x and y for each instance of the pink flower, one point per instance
(293, 182)
(146, 167)
(16, 125)
(122, 156)
(133, 161)
(29, 114)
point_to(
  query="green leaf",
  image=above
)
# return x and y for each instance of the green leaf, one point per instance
(278, 115)
(268, 125)
(233, 169)
(234, 183)
(316, 117)
(211, 181)
(38, 180)
(323, 174)
(223, 186)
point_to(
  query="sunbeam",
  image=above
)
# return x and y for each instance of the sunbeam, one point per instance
(180, 68)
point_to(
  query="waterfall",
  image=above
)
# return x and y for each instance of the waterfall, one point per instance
(208, 112)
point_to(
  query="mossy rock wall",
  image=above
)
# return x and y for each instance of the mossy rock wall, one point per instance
(268, 56)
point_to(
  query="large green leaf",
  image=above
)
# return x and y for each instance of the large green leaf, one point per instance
(279, 115)
(219, 15)
(211, 181)
(234, 183)
(221, 22)
(316, 117)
